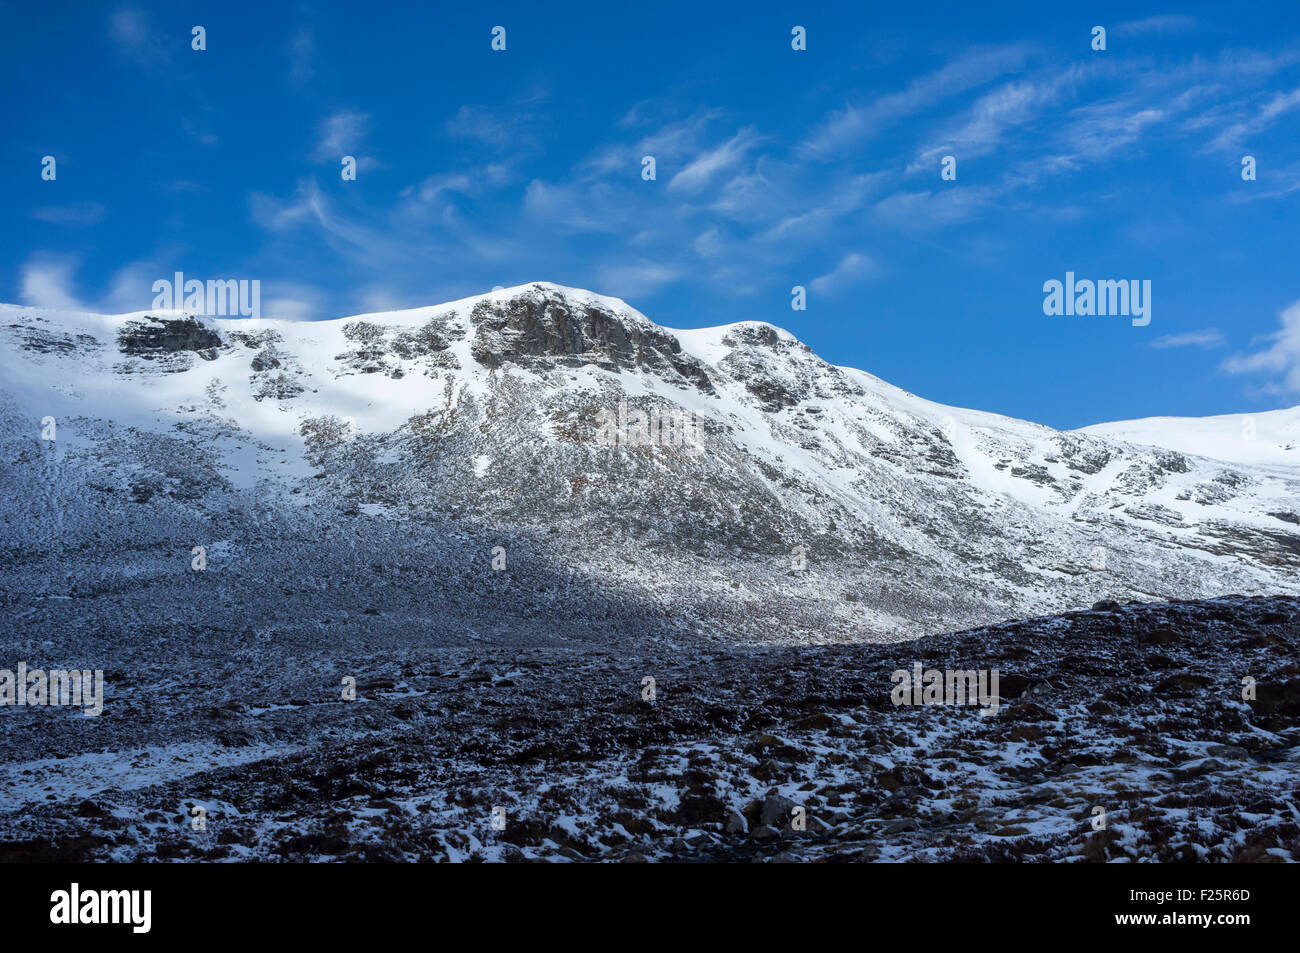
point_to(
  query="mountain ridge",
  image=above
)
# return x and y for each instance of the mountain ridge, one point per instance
(827, 504)
(1287, 418)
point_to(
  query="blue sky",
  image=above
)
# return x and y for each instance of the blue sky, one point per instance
(775, 168)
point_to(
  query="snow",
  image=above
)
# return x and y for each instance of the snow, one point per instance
(1270, 438)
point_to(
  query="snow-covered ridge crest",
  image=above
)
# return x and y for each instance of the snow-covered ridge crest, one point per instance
(1269, 438)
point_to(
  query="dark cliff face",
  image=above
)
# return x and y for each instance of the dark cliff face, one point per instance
(155, 337)
(541, 326)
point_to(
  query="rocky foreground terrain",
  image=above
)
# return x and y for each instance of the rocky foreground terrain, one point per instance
(1136, 709)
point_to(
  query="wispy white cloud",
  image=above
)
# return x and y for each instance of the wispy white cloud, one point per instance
(278, 216)
(1205, 338)
(301, 55)
(78, 213)
(579, 206)
(1273, 183)
(1235, 137)
(1098, 131)
(854, 268)
(851, 125)
(751, 197)
(516, 127)
(1280, 361)
(342, 133)
(131, 287)
(677, 139)
(130, 30)
(485, 125)
(736, 203)
(1169, 23)
(708, 243)
(198, 128)
(637, 278)
(994, 115)
(846, 196)
(920, 211)
(706, 167)
(47, 282)
(50, 281)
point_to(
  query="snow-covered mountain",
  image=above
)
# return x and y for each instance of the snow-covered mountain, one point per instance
(361, 471)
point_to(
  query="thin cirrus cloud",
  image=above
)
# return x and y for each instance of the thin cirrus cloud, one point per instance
(708, 166)
(1204, 338)
(997, 114)
(1236, 136)
(301, 54)
(854, 268)
(1274, 184)
(846, 197)
(515, 127)
(930, 209)
(342, 133)
(672, 140)
(736, 198)
(79, 213)
(851, 125)
(131, 32)
(638, 278)
(482, 124)
(1097, 132)
(311, 211)
(1167, 23)
(576, 207)
(709, 243)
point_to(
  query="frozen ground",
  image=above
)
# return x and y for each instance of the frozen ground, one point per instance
(1134, 709)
